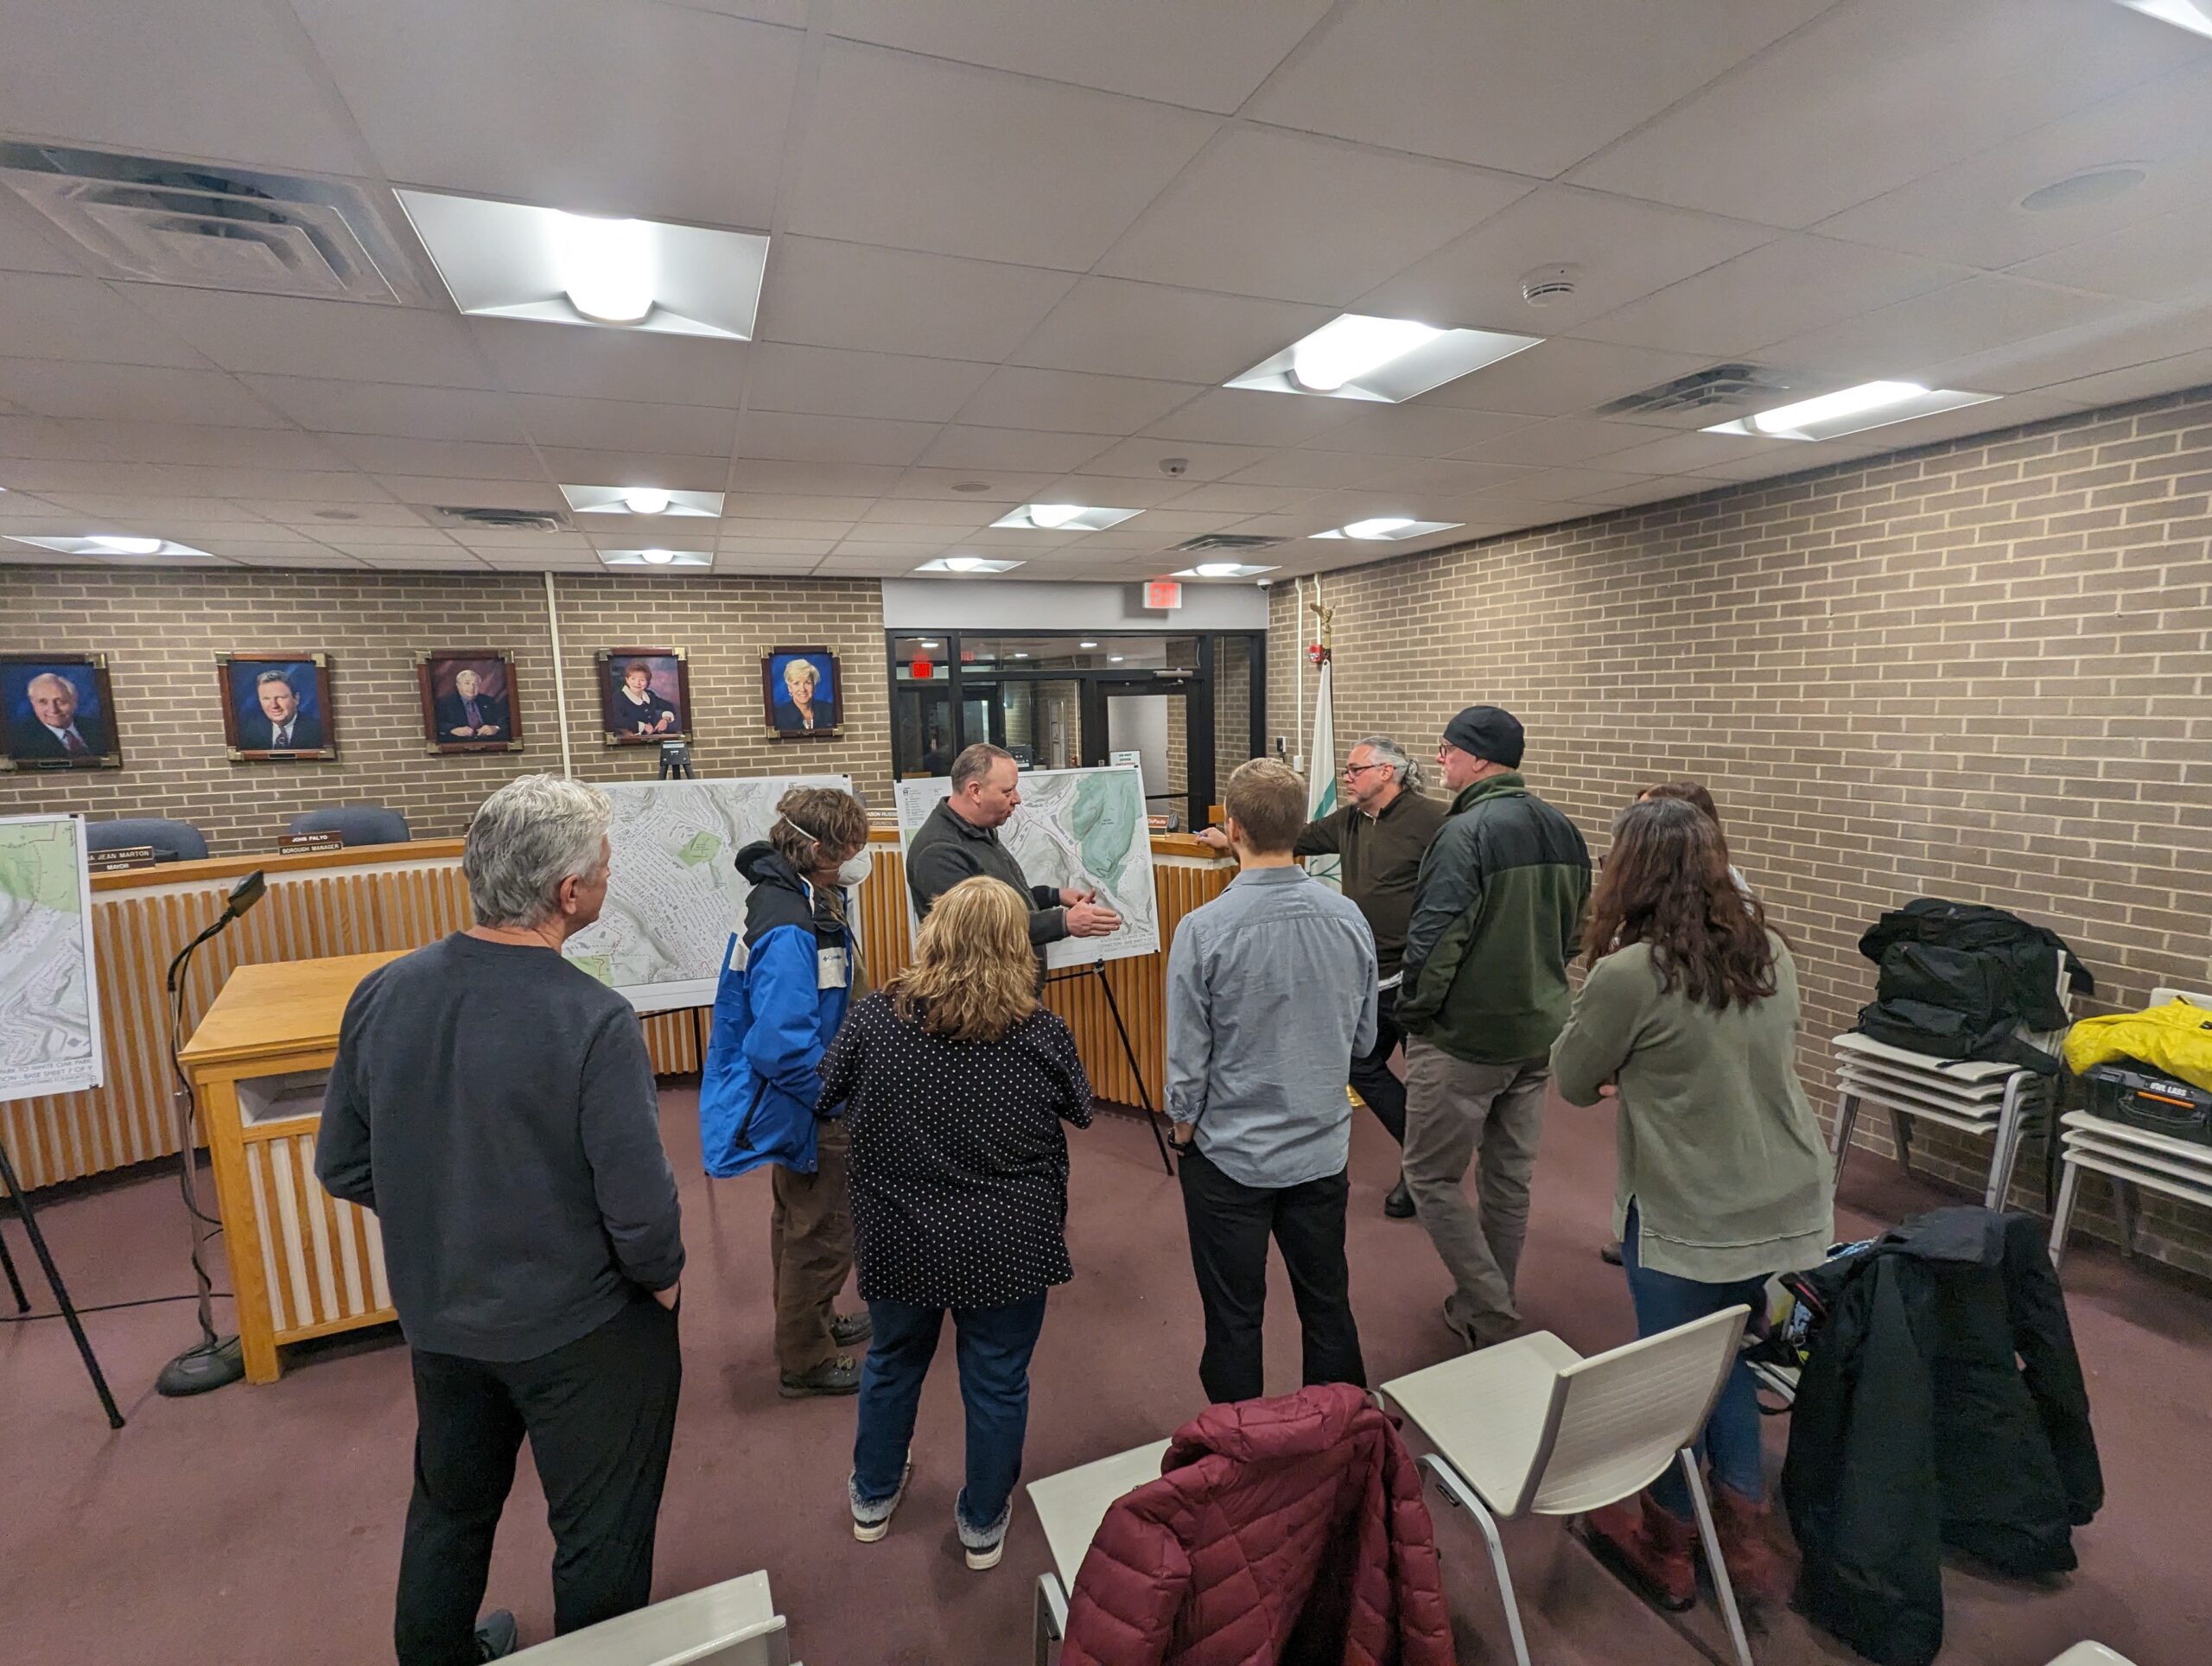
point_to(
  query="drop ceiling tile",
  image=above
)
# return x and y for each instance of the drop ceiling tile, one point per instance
(633, 467)
(1873, 95)
(1659, 489)
(889, 563)
(856, 295)
(1441, 477)
(1416, 430)
(280, 336)
(1015, 485)
(1533, 89)
(301, 514)
(1561, 378)
(1782, 289)
(306, 486)
(1119, 328)
(381, 454)
(1140, 459)
(1111, 490)
(817, 480)
(617, 425)
(190, 445)
(490, 98)
(1250, 417)
(526, 357)
(79, 318)
(1696, 451)
(323, 406)
(52, 387)
(1314, 471)
(731, 563)
(1028, 449)
(191, 78)
(1981, 314)
(2188, 370)
(968, 514)
(921, 153)
(789, 437)
(1296, 218)
(741, 507)
(828, 382)
(431, 491)
(1549, 485)
(1207, 54)
(1970, 212)
(1072, 402)
(1564, 440)
(2169, 259)
(307, 555)
(340, 536)
(1620, 248)
(1242, 499)
(28, 242)
(411, 555)
(127, 505)
(909, 532)
(811, 549)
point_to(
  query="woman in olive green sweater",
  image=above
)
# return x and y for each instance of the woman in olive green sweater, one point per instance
(1688, 1021)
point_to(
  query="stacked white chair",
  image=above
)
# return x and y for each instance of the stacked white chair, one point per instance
(732, 1624)
(1070, 1506)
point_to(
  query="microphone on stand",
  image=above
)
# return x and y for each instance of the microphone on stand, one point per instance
(213, 1361)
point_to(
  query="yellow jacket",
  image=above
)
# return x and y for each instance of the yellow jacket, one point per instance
(2176, 1037)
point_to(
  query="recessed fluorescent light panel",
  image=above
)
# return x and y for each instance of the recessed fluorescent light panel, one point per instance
(2195, 16)
(1388, 528)
(510, 260)
(1359, 357)
(1223, 569)
(1064, 518)
(969, 564)
(640, 500)
(1851, 411)
(110, 545)
(657, 557)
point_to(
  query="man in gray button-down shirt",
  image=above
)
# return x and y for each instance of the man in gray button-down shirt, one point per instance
(1271, 988)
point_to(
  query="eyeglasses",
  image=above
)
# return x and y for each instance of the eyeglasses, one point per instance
(1351, 770)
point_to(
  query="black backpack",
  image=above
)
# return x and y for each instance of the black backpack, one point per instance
(1959, 981)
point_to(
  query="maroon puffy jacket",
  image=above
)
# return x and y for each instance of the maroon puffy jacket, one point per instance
(1289, 1529)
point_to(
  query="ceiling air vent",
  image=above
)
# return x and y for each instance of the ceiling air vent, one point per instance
(1228, 543)
(499, 520)
(212, 227)
(1720, 387)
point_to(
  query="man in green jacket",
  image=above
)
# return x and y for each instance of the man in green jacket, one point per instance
(1497, 913)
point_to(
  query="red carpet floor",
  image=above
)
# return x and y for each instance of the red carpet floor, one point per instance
(262, 1525)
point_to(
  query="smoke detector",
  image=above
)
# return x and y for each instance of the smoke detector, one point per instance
(499, 520)
(1548, 285)
(151, 222)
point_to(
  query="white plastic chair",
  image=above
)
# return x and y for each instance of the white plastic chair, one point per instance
(1070, 1506)
(732, 1624)
(1529, 1426)
(2091, 1654)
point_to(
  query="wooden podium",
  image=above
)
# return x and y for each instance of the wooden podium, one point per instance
(302, 1264)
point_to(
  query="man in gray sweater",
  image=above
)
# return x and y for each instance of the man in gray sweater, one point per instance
(495, 1106)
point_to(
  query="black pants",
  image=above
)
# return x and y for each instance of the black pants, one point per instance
(600, 1413)
(1229, 1225)
(1370, 1072)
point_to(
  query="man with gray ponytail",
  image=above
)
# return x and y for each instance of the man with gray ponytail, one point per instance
(494, 1106)
(1381, 831)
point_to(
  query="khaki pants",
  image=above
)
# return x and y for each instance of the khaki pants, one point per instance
(810, 1253)
(1487, 1116)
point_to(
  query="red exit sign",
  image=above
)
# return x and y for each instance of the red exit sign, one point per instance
(1162, 593)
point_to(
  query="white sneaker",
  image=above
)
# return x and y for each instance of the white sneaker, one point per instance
(984, 1545)
(872, 1521)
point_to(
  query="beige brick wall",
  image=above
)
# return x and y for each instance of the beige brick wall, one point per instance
(162, 630)
(1980, 670)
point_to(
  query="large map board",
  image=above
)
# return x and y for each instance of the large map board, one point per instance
(1078, 827)
(675, 895)
(49, 994)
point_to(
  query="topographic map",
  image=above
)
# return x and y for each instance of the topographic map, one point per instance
(673, 895)
(50, 999)
(1079, 827)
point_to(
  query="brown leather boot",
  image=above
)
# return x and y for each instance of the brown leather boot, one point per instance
(1755, 1568)
(1649, 1548)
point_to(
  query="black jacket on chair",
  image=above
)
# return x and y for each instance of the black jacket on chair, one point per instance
(1941, 1406)
(1958, 980)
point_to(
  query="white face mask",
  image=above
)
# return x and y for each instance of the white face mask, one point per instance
(854, 868)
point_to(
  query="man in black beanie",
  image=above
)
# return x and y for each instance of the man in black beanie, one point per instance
(1497, 913)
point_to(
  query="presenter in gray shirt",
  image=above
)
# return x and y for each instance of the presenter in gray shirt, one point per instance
(495, 1106)
(1270, 988)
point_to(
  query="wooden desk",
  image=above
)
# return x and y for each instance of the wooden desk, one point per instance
(302, 1264)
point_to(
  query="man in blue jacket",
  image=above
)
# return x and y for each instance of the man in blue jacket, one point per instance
(791, 975)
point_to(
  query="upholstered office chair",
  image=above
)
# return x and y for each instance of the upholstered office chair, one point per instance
(172, 841)
(355, 823)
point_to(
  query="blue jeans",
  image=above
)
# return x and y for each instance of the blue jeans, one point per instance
(993, 1346)
(1731, 1441)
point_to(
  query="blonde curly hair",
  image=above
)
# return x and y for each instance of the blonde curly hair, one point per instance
(975, 975)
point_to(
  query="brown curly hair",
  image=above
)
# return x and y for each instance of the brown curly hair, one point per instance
(1666, 883)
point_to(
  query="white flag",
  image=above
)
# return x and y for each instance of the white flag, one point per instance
(1321, 776)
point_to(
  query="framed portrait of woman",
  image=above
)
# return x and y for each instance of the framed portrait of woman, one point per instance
(645, 694)
(59, 711)
(802, 693)
(470, 703)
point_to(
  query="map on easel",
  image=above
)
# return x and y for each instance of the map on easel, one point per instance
(49, 994)
(1075, 827)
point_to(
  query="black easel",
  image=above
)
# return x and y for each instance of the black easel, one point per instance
(23, 1212)
(1098, 970)
(675, 762)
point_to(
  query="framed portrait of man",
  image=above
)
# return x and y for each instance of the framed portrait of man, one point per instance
(58, 711)
(645, 694)
(802, 693)
(277, 707)
(470, 703)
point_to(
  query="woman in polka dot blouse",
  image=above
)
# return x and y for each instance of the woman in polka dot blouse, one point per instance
(953, 1084)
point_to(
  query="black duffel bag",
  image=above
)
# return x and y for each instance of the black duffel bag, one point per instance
(1959, 980)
